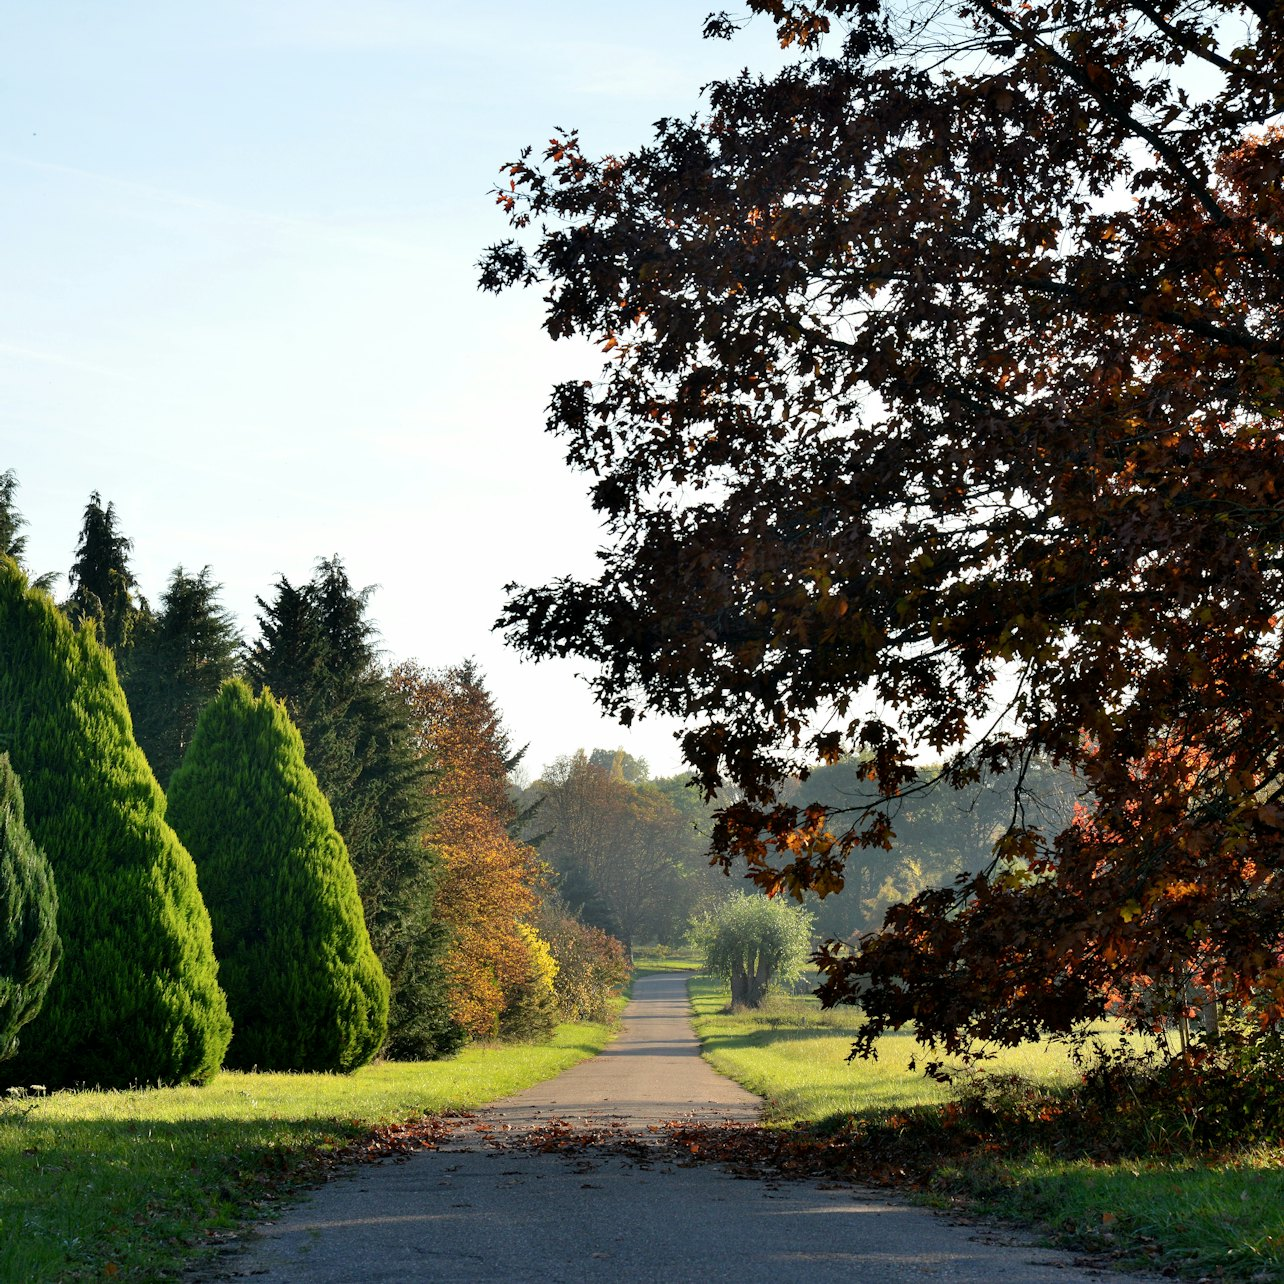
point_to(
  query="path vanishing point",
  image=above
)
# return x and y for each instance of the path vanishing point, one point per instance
(493, 1204)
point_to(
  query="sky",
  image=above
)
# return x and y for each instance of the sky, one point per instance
(238, 298)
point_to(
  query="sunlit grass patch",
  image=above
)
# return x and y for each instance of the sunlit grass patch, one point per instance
(1214, 1217)
(660, 958)
(793, 1053)
(131, 1184)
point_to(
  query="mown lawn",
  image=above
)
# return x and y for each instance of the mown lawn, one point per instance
(136, 1185)
(1189, 1216)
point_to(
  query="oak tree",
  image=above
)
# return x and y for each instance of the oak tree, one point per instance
(940, 414)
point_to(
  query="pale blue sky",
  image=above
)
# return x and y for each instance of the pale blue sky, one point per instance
(238, 297)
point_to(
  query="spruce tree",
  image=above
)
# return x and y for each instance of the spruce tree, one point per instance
(136, 998)
(29, 944)
(103, 588)
(177, 664)
(304, 986)
(318, 651)
(13, 543)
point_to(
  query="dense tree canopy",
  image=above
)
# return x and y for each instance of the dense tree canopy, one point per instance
(136, 997)
(304, 987)
(627, 858)
(487, 893)
(318, 651)
(941, 412)
(179, 660)
(753, 943)
(29, 944)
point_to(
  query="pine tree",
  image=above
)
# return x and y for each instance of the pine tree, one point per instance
(136, 998)
(318, 651)
(103, 588)
(29, 944)
(303, 983)
(177, 664)
(13, 543)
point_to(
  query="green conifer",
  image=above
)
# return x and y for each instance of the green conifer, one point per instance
(318, 652)
(136, 999)
(29, 945)
(305, 988)
(177, 664)
(103, 587)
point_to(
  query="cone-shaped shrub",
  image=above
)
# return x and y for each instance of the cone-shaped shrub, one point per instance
(304, 985)
(136, 998)
(29, 945)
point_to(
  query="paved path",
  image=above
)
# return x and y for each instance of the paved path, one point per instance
(495, 1204)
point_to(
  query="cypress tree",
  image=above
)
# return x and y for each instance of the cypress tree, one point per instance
(136, 999)
(318, 651)
(303, 983)
(29, 944)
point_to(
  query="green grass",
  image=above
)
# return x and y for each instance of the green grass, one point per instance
(1195, 1216)
(659, 958)
(793, 1053)
(135, 1185)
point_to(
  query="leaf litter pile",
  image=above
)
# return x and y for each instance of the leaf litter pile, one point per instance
(745, 1150)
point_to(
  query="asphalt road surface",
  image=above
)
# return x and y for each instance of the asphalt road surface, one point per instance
(503, 1199)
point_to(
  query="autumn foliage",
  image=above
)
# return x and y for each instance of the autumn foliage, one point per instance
(941, 414)
(487, 889)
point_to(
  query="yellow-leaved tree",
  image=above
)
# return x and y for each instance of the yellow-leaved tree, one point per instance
(488, 889)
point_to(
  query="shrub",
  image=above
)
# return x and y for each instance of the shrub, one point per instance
(303, 983)
(530, 1013)
(29, 944)
(591, 966)
(136, 998)
(753, 943)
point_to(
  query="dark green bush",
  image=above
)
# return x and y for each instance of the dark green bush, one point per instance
(136, 998)
(29, 944)
(303, 983)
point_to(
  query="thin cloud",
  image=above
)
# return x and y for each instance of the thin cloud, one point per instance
(237, 215)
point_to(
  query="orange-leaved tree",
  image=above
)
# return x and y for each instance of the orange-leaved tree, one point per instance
(487, 891)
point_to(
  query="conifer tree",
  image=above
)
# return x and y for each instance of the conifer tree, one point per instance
(29, 944)
(177, 664)
(318, 651)
(304, 986)
(13, 543)
(103, 587)
(136, 998)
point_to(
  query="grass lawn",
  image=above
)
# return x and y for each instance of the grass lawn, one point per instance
(658, 958)
(1196, 1217)
(135, 1185)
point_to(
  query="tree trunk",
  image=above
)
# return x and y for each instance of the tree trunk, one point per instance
(739, 985)
(759, 982)
(1208, 1016)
